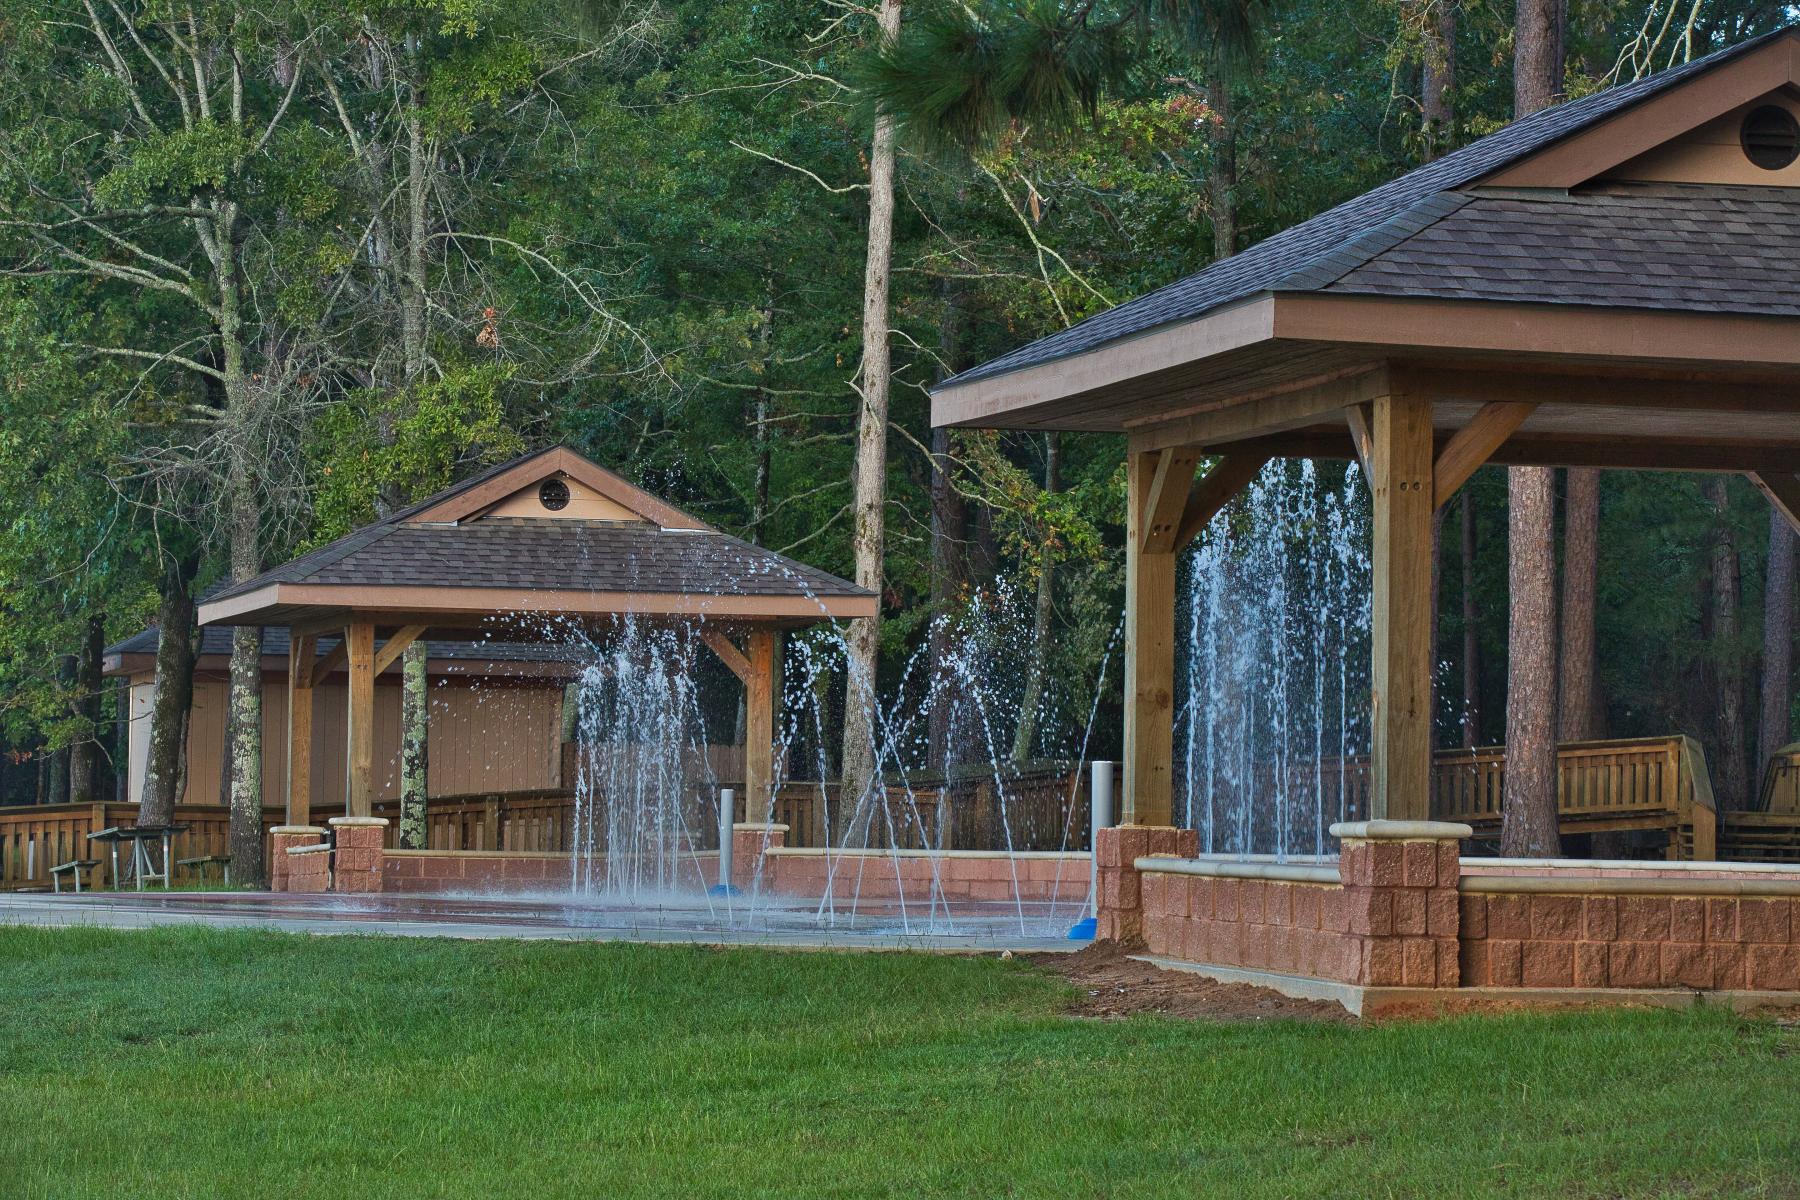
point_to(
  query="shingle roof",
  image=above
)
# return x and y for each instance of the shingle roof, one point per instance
(216, 640)
(1314, 252)
(1690, 247)
(553, 555)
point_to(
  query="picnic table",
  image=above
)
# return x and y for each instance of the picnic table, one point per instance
(137, 836)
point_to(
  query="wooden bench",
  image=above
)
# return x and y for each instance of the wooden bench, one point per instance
(1771, 831)
(199, 863)
(73, 869)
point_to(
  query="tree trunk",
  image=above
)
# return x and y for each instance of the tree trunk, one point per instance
(1731, 769)
(1528, 820)
(1026, 732)
(1775, 729)
(1539, 31)
(84, 755)
(1578, 717)
(59, 762)
(870, 500)
(1471, 633)
(171, 693)
(415, 722)
(244, 712)
(1221, 181)
(1437, 110)
(1528, 816)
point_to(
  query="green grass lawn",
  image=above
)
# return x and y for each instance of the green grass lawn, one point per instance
(208, 1063)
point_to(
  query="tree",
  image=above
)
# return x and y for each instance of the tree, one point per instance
(1578, 714)
(869, 505)
(1528, 825)
(1775, 728)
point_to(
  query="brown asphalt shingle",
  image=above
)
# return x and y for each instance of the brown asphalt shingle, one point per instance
(1309, 255)
(1686, 247)
(553, 555)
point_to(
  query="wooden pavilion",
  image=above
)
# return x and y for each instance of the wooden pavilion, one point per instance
(1614, 282)
(521, 552)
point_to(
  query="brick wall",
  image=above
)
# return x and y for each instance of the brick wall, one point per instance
(1631, 941)
(1389, 920)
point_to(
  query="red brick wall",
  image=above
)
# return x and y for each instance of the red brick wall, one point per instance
(1625, 941)
(1391, 921)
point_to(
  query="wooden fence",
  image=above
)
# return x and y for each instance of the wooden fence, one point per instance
(1771, 831)
(36, 838)
(1654, 784)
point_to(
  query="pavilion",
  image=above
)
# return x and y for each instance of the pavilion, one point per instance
(1612, 282)
(522, 552)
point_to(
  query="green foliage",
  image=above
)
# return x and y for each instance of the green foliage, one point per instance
(407, 445)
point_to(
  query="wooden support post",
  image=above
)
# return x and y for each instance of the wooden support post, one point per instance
(1783, 492)
(760, 699)
(1360, 419)
(396, 645)
(1400, 453)
(360, 788)
(1157, 487)
(301, 648)
(1213, 491)
(334, 660)
(1473, 445)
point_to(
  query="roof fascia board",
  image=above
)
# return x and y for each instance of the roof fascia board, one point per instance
(1563, 330)
(1644, 126)
(980, 401)
(440, 605)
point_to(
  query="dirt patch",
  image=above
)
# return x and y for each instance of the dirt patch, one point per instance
(1115, 985)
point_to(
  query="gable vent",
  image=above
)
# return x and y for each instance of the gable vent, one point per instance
(1771, 137)
(553, 494)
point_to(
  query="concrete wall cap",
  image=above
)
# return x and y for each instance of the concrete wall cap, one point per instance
(321, 848)
(1396, 831)
(298, 829)
(353, 821)
(1157, 864)
(757, 827)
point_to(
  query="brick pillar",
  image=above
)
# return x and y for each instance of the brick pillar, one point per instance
(1400, 880)
(282, 838)
(357, 862)
(1121, 907)
(309, 868)
(750, 846)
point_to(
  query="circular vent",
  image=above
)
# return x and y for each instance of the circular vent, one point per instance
(553, 494)
(1771, 137)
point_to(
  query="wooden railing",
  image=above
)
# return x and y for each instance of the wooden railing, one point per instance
(1651, 784)
(36, 838)
(1771, 832)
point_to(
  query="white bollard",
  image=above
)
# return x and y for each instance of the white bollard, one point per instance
(727, 812)
(1100, 797)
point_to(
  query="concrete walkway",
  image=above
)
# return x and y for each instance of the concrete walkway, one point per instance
(683, 922)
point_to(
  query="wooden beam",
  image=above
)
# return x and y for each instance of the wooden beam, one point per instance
(1602, 388)
(1551, 450)
(396, 645)
(1473, 445)
(1233, 418)
(1400, 762)
(334, 660)
(1149, 655)
(301, 648)
(360, 788)
(761, 689)
(1359, 417)
(1213, 491)
(728, 653)
(1783, 491)
(1166, 497)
